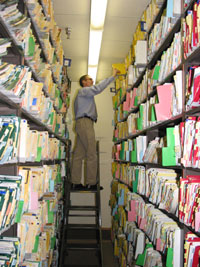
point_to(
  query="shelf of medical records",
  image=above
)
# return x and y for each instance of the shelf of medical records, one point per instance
(170, 122)
(43, 51)
(27, 115)
(152, 93)
(162, 254)
(170, 215)
(164, 44)
(36, 34)
(37, 79)
(135, 109)
(18, 49)
(149, 165)
(43, 125)
(157, 17)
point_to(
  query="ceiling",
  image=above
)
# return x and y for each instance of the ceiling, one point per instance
(120, 23)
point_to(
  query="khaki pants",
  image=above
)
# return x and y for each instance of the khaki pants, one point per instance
(85, 148)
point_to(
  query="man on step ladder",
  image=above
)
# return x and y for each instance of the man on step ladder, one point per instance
(85, 146)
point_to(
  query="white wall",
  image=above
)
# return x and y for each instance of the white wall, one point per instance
(104, 133)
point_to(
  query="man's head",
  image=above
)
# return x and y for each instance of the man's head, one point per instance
(85, 81)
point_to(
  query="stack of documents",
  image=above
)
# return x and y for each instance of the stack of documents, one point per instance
(28, 230)
(36, 183)
(190, 137)
(162, 189)
(4, 44)
(140, 249)
(49, 49)
(9, 251)
(153, 76)
(163, 232)
(171, 58)
(42, 26)
(132, 123)
(33, 97)
(158, 35)
(33, 144)
(122, 130)
(192, 88)
(141, 91)
(41, 147)
(151, 12)
(57, 71)
(37, 222)
(191, 30)
(14, 81)
(34, 58)
(152, 153)
(191, 250)
(10, 187)
(189, 212)
(165, 25)
(9, 137)
(17, 23)
(57, 42)
(36, 11)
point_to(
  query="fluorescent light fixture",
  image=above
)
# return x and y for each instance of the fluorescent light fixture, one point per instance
(98, 12)
(97, 18)
(94, 47)
(92, 72)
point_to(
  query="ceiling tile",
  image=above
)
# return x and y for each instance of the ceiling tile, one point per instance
(79, 24)
(128, 8)
(80, 7)
(119, 28)
(114, 49)
(75, 48)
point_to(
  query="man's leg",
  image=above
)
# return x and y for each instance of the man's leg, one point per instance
(78, 156)
(85, 131)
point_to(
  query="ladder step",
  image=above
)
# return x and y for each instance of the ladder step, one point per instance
(82, 226)
(82, 247)
(78, 265)
(81, 215)
(92, 208)
(83, 191)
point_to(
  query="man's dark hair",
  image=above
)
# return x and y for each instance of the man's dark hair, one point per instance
(82, 79)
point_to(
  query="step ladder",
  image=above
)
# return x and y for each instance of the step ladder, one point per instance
(82, 242)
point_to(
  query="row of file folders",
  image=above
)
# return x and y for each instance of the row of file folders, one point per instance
(162, 187)
(148, 233)
(32, 199)
(17, 85)
(19, 26)
(21, 144)
(179, 146)
(165, 104)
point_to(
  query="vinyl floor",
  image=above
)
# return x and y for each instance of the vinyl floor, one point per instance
(90, 259)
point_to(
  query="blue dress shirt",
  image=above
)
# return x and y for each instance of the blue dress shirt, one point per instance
(84, 104)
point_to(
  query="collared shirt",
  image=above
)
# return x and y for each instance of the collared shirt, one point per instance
(84, 104)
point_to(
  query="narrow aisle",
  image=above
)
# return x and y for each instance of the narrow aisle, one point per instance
(90, 258)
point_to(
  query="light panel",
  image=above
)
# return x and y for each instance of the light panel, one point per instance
(92, 72)
(97, 18)
(94, 47)
(98, 12)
